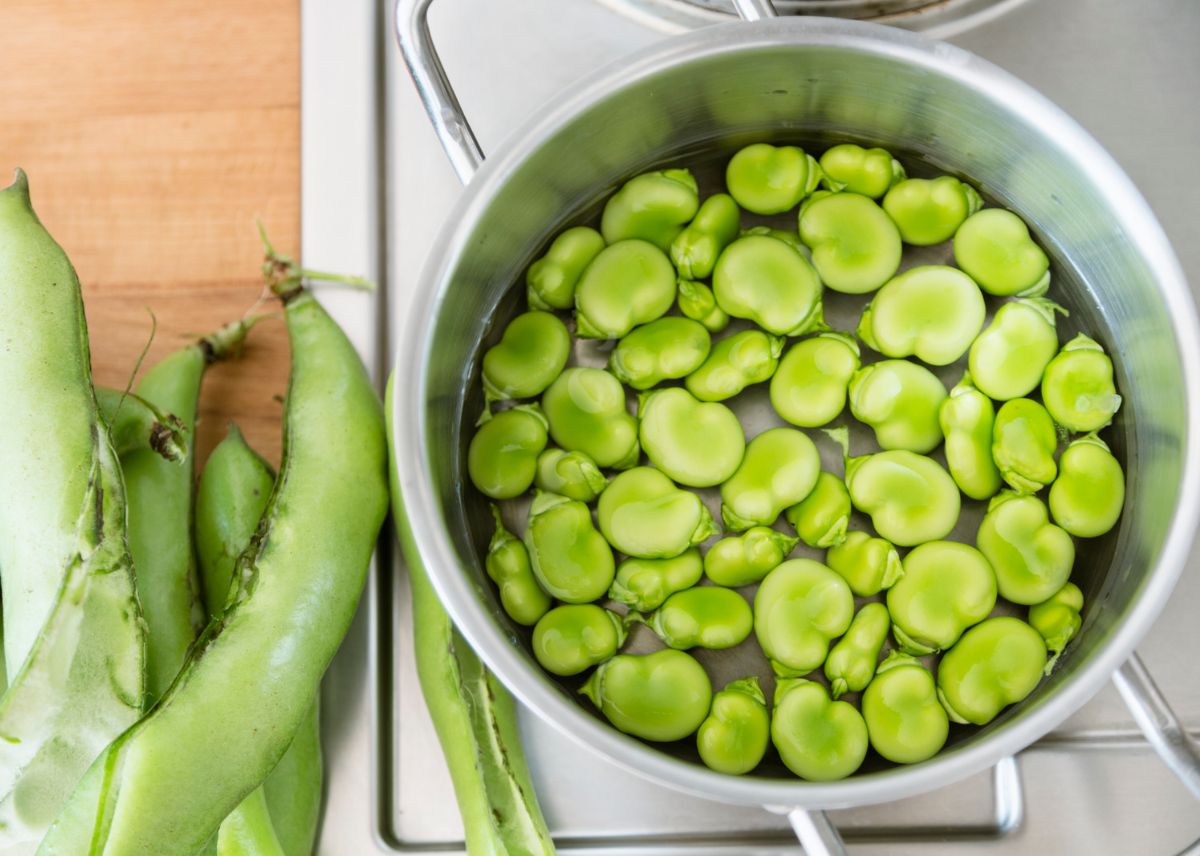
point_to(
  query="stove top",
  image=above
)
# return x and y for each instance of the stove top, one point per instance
(377, 188)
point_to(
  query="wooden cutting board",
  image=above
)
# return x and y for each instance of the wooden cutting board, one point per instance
(153, 134)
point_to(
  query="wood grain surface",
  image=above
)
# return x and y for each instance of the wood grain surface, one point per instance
(153, 134)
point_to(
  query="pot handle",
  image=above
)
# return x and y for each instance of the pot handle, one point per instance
(1162, 727)
(818, 836)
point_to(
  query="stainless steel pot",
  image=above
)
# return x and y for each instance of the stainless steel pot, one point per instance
(813, 78)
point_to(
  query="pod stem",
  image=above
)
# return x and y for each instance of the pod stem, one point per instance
(286, 278)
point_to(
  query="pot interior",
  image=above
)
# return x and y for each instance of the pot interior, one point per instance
(938, 111)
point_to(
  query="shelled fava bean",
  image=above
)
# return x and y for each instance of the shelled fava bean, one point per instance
(690, 303)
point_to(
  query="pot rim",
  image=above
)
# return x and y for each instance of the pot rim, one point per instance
(549, 702)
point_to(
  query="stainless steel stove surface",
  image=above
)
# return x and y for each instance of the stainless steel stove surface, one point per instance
(376, 190)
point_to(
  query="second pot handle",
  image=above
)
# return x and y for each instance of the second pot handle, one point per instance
(1161, 726)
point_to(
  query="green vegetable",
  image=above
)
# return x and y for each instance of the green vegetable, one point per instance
(791, 238)
(1057, 620)
(532, 352)
(869, 565)
(733, 738)
(570, 474)
(1087, 497)
(1023, 445)
(967, 417)
(734, 363)
(586, 411)
(570, 559)
(629, 283)
(929, 211)
(502, 457)
(665, 349)
(766, 179)
(644, 584)
(509, 567)
(662, 696)
(905, 720)
(1077, 387)
(696, 301)
(946, 588)
(741, 560)
(809, 387)
(73, 634)
(642, 513)
(900, 401)
(821, 518)
(696, 444)
(850, 666)
(293, 790)
(652, 207)
(695, 250)
(551, 280)
(800, 607)
(932, 312)
(1009, 357)
(909, 497)
(766, 281)
(994, 247)
(995, 664)
(867, 171)
(571, 639)
(703, 617)
(779, 469)
(135, 424)
(1031, 556)
(818, 739)
(855, 245)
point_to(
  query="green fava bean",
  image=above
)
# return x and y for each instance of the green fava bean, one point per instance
(527, 359)
(570, 474)
(741, 560)
(851, 664)
(696, 301)
(703, 617)
(967, 417)
(653, 207)
(586, 411)
(1077, 387)
(1023, 445)
(946, 588)
(735, 363)
(1031, 556)
(779, 469)
(818, 739)
(734, 736)
(905, 721)
(821, 518)
(868, 564)
(1009, 357)
(766, 179)
(809, 387)
(642, 513)
(994, 247)
(909, 497)
(792, 239)
(508, 565)
(855, 245)
(665, 349)
(929, 211)
(645, 584)
(696, 444)
(629, 283)
(502, 457)
(800, 607)
(571, 639)
(695, 250)
(867, 171)
(662, 696)
(900, 401)
(570, 559)
(932, 312)
(995, 664)
(551, 280)
(1087, 497)
(766, 281)
(1058, 620)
